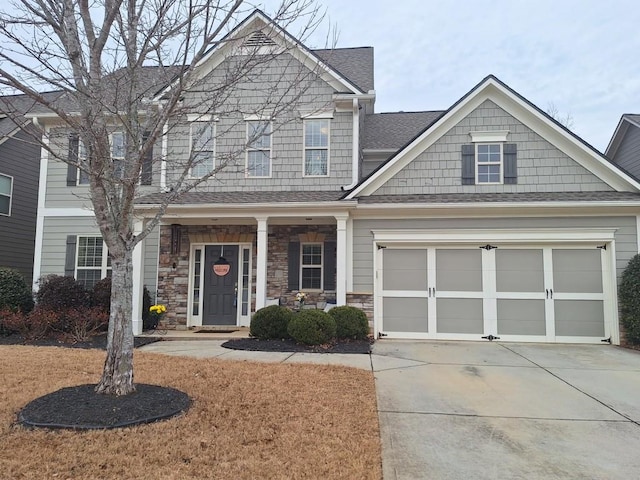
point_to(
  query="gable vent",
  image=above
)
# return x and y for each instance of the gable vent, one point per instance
(258, 39)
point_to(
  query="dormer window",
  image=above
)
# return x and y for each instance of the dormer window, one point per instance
(489, 163)
(489, 160)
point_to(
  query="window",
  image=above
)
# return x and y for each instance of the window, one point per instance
(118, 151)
(311, 266)
(316, 147)
(202, 145)
(258, 149)
(92, 261)
(83, 177)
(6, 190)
(489, 162)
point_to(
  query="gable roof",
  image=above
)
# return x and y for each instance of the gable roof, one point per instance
(627, 120)
(491, 88)
(392, 130)
(355, 64)
(13, 109)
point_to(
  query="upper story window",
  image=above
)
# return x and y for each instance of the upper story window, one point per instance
(489, 160)
(311, 261)
(258, 148)
(316, 147)
(83, 177)
(489, 163)
(6, 192)
(202, 148)
(92, 261)
(118, 152)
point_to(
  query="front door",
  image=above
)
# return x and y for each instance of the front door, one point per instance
(220, 285)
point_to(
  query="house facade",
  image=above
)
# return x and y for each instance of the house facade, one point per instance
(485, 220)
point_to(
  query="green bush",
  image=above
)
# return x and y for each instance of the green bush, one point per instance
(312, 327)
(59, 293)
(15, 294)
(351, 322)
(629, 297)
(270, 322)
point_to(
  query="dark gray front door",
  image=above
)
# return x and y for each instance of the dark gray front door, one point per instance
(220, 290)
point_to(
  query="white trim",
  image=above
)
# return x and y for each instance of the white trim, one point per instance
(321, 267)
(493, 136)
(40, 216)
(355, 146)
(253, 117)
(67, 212)
(10, 177)
(305, 148)
(349, 258)
(138, 281)
(104, 262)
(318, 115)
(165, 152)
(201, 117)
(478, 163)
(262, 246)
(341, 260)
(638, 233)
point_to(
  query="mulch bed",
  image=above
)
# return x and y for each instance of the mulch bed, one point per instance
(81, 408)
(97, 341)
(340, 346)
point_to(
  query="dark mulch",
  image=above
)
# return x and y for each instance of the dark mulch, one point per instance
(97, 341)
(340, 346)
(80, 408)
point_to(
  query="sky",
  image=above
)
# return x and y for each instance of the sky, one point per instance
(582, 57)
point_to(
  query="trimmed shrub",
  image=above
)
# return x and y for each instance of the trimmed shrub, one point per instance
(36, 324)
(59, 293)
(271, 322)
(629, 297)
(15, 294)
(351, 322)
(312, 327)
(81, 324)
(101, 295)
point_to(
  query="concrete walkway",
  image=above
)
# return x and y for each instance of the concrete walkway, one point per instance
(471, 410)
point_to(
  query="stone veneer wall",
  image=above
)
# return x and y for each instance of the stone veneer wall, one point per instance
(363, 301)
(173, 283)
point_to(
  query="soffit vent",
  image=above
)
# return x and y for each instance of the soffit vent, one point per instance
(258, 39)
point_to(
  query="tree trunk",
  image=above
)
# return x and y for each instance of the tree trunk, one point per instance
(117, 375)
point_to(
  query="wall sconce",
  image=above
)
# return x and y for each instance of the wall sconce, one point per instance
(176, 232)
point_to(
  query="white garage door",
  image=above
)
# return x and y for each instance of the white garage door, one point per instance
(519, 293)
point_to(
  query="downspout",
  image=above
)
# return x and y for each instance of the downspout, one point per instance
(355, 147)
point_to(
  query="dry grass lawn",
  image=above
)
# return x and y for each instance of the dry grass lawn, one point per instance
(247, 421)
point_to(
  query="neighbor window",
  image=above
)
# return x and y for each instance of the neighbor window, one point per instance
(93, 262)
(118, 146)
(311, 266)
(83, 177)
(316, 146)
(202, 145)
(489, 162)
(258, 149)
(6, 190)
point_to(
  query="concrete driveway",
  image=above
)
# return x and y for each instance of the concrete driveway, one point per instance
(465, 410)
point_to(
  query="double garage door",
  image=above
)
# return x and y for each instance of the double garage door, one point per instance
(519, 293)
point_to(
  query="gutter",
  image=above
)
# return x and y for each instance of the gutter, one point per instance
(355, 147)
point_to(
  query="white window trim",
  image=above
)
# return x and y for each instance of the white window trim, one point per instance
(79, 182)
(321, 267)
(104, 267)
(213, 138)
(253, 149)
(305, 148)
(10, 195)
(493, 136)
(124, 145)
(477, 164)
(318, 115)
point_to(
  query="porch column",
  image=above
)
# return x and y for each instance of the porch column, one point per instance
(138, 281)
(341, 260)
(261, 263)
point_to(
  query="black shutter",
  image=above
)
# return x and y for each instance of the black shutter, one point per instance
(72, 170)
(294, 265)
(510, 157)
(147, 163)
(70, 256)
(468, 164)
(330, 265)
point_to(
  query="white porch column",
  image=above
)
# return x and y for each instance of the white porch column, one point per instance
(138, 281)
(341, 260)
(261, 263)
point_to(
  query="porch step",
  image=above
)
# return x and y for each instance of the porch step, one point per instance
(201, 333)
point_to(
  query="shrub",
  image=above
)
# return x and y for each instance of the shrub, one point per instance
(101, 295)
(14, 291)
(7, 323)
(351, 322)
(270, 322)
(81, 324)
(59, 293)
(146, 305)
(629, 296)
(312, 327)
(36, 324)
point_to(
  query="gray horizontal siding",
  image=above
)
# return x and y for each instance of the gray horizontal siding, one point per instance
(20, 159)
(625, 236)
(628, 153)
(541, 167)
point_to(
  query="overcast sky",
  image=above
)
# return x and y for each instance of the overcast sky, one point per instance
(581, 56)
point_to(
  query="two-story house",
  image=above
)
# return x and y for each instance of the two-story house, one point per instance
(487, 219)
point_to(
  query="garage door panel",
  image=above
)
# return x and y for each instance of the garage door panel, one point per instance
(405, 314)
(521, 317)
(459, 315)
(579, 318)
(405, 270)
(519, 270)
(577, 271)
(459, 270)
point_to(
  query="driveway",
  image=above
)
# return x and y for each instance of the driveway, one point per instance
(464, 410)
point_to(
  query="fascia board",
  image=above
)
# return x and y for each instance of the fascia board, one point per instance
(616, 138)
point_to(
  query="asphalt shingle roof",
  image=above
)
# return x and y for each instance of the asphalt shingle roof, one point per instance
(383, 131)
(196, 198)
(355, 64)
(505, 197)
(14, 107)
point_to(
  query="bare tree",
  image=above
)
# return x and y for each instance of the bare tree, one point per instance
(564, 120)
(128, 73)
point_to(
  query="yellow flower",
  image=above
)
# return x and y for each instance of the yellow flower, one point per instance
(158, 309)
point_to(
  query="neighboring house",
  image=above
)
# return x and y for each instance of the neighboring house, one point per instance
(487, 219)
(624, 147)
